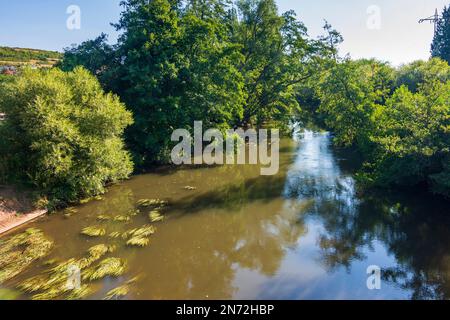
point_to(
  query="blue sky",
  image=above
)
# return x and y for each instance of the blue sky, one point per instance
(398, 37)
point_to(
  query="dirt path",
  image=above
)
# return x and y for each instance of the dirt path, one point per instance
(15, 209)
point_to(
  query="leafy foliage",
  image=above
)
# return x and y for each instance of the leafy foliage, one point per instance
(95, 55)
(63, 134)
(226, 65)
(399, 119)
(412, 137)
(277, 55)
(349, 93)
(414, 74)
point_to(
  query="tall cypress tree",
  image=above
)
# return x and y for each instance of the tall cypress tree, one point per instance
(441, 42)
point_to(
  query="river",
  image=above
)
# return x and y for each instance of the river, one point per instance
(303, 234)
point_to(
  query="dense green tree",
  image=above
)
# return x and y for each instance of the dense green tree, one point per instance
(226, 63)
(176, 67)
(416, 73)
(96, 55)
(62, 134)
(277, 56)
(403, 132)
(349, 93)
(412, 137)
(441, 41)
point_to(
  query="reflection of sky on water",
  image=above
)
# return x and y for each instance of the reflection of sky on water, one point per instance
(315, 187)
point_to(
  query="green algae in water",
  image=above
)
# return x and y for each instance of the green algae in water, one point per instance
(86, 200)
(7, 294)
(94, 231)
(19, 251)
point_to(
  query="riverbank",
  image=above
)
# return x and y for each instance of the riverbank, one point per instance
(16, 209)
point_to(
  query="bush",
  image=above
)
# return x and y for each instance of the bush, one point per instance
(62, 134)
(417, 73)
(412, 138)
(402, 132)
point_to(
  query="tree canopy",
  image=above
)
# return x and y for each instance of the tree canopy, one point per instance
(225, 63)
(62, 134)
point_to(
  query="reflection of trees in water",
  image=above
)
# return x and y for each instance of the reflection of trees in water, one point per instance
(241, 224)
(414, 228)
(417, 233)
(119, 200)
(207, 258)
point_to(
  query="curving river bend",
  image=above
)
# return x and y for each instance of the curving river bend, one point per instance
(302, 234)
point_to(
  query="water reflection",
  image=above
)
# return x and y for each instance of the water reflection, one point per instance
(302, 234)
(413, 228)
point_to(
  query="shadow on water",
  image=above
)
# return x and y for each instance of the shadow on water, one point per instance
(413, 227)
(303, 233)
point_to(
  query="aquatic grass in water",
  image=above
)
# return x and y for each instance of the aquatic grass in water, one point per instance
(139, 237)
(155, 216)
(134, 213)
(79, 293)
(19, 251)
(120, 291)
(70, 212)
(122, 218)
(108, 267)
(144, 231)
(103, 217)
(94, 231)
(138, 241)
(52, 283)
(151, 203)
(115, 235)
(96, 252)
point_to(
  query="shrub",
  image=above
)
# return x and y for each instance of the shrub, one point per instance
(62, 134)
(418, 73)
(412, 138)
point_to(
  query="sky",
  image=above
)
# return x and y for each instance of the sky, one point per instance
(384, 29)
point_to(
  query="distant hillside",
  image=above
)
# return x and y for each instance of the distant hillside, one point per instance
(21, 56)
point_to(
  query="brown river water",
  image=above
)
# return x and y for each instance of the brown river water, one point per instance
(304, 233)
